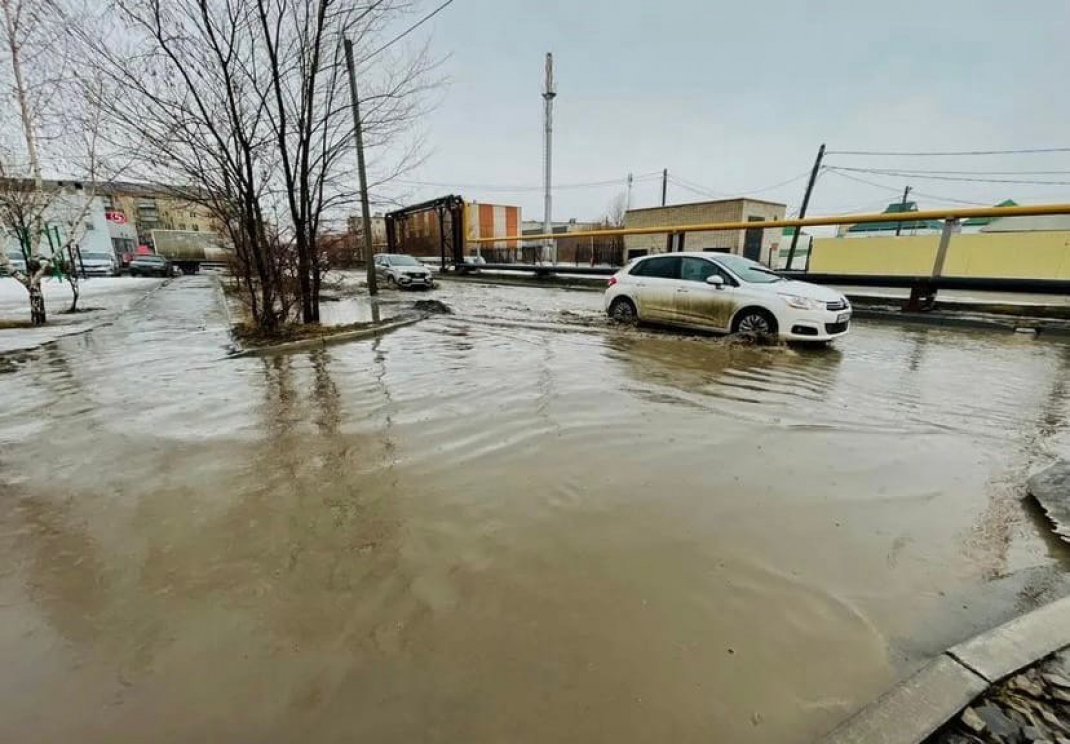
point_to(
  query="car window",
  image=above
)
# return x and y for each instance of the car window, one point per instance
(696, 269)
(662, 267)
(403, 261)
(750, 271)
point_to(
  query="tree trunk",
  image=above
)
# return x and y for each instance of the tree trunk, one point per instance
(303, 277)
(317, 282)
(72, 279)
(37, 304)
(74, 294)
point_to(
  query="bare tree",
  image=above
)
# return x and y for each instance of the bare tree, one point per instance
(614, 216)
(245, 102)
(54, 125)
(23, 202)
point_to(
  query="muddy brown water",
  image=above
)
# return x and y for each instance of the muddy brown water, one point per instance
(512, 523)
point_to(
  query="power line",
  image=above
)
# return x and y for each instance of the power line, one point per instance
(963, 179)
(950, 153)
(407, 31)
(913, 171)
(518, 188)
(895, 189)
(698, 188)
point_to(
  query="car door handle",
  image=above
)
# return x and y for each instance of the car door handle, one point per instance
(683, 291)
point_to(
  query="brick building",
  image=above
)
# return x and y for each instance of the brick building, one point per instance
(754, 243)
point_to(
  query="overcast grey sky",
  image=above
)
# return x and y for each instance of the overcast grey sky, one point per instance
(737, 96)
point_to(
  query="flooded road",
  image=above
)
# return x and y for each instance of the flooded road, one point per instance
(507, 524)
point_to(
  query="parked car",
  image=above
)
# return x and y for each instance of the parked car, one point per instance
(98, 264)
(472, 264)
(150, 265)
(16, 261)
(401, 270)
(725, 293)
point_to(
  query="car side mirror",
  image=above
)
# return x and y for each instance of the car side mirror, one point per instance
(716, 280)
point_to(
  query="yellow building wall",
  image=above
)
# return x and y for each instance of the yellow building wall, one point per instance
(182, 215)
(1035, 255)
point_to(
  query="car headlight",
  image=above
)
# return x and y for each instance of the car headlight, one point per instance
(801, 303)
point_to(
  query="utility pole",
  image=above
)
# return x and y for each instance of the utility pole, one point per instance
(805, 203)
(548, 95)
(902, 208)
(664, 184)
(628, 199)
(365, 211)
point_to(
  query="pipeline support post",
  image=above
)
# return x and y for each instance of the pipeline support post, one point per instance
(923, 294)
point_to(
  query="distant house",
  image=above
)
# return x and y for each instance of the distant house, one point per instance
(1025, 224)
(906, 227)
(978, 224)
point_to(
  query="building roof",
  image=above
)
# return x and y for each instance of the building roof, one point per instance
(981, 221)
(710, 201)
(897, 208)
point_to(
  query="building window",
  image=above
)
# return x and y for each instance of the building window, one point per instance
(196, 227)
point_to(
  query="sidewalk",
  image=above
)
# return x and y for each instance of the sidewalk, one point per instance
(919, 706)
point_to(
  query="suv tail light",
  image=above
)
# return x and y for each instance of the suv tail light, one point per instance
(612, 280)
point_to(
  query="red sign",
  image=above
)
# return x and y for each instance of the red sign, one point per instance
(118, 218)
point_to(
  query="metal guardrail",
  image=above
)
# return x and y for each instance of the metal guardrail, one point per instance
(541, 269)
(980, 284)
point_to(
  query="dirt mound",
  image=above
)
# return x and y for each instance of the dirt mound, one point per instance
(432, 306)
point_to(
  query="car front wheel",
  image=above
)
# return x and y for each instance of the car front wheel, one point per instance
(755, 321)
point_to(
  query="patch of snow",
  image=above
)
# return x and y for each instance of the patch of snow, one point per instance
(109, 296)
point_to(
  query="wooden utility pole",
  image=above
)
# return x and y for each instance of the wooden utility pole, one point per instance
(365, 210)
(902, 208)
(805, 203)
(664, 184)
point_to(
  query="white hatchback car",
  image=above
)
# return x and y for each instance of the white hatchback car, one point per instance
(726, 293)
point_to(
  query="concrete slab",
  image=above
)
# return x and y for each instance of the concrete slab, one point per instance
(1017, 643)
(1051, 488)
(913, 709)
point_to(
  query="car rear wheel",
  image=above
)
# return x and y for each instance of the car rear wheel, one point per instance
(755, 321)
(622, 310)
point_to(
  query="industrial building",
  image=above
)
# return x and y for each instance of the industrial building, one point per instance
(355, 223)
(489, 220)
(440, 227)
(754, 243)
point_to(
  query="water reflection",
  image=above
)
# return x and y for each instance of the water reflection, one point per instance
(691, 371)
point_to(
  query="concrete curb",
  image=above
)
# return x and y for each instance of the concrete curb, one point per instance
(320, 342)
(919, 705)
(1007, 323)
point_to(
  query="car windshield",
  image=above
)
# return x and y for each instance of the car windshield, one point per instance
(749, 271)
(149, 259)
(96, 256)
(402, 261)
